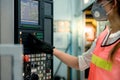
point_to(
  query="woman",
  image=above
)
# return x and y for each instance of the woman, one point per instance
(103, 57)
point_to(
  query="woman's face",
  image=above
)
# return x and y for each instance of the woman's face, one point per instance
(101, 9)
(106, 4)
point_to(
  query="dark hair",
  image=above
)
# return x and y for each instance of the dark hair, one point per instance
(118, 5)
(113, 51)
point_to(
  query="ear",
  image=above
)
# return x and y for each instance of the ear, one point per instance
(115, 3)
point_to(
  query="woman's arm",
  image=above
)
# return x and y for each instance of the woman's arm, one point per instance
(81, 62)
(69, 60)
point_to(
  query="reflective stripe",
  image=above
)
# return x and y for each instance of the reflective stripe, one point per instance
(101, 63)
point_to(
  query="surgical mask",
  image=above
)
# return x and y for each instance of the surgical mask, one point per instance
(99, 12)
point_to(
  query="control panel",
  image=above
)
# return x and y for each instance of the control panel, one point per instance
(39, 64)
(35, 17)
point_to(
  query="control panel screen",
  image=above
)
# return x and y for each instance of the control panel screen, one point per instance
(29, 12)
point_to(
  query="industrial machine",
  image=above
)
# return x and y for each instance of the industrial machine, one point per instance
(35, 17)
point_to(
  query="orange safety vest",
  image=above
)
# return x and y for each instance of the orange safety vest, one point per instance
(101, 68)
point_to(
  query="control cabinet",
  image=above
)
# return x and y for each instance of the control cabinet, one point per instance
(35, 17)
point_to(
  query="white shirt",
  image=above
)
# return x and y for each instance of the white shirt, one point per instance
(85, 59)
